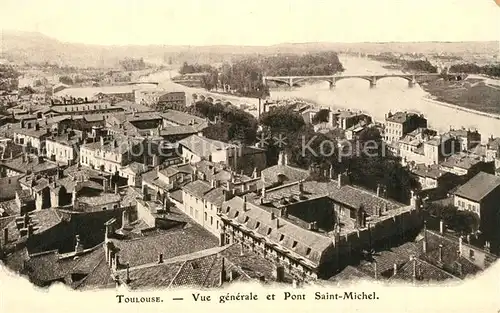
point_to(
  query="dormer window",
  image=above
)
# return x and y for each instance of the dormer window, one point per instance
(308, 251)
(282, 237)
(257, 225)
(246, 219)
(269, 231)
(294, 244)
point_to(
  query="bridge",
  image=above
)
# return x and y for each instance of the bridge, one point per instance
(292, 81)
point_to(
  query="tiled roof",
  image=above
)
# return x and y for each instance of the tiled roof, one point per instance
(400, 117)
(270, 174)
(146, 250)
(182, 118)
(478, 186)
(9, 208)
(178, 130)
(197, 188)
(348, 274)
(202, 146)
(424, 272)
(34, 164)
(297, 240)
(431, 171)
(461, 160)
(42, 221)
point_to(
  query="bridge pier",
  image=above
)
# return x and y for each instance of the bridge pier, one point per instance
(373, 82)
(412, 83)
(290, 83)
(332, 85)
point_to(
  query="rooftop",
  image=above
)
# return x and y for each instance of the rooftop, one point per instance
(400, 117)
(478, 187)
(202, 146)
(175, 243)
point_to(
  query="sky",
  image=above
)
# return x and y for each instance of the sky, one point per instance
(253, 22)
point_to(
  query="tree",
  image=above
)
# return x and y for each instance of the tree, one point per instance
(66, 80)
(9, 78)
(321, 116)
(282, 120)
(463, 222)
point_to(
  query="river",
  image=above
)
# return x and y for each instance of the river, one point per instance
(390, 94)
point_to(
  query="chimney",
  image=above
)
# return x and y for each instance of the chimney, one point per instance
(105, 185)
(413, 260)
(116, 188)
(116, 262)
(102, 141)
(441, 227)
(378, 190)
(395, 269)
(255, 174)
(242, 252)
(468, 238)
(263, 192)
(5, 236)
(78, 245)
(222, 238)
(244, 203)
(128, 274)
(222, 276)
(160, 258)
(277, 222)
(279, 273)
(440, 256)
(282, 158)
(460, 243)
(125, 219)
(74, 197)
(313, 226)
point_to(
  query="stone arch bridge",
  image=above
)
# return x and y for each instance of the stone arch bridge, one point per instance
(291, 81)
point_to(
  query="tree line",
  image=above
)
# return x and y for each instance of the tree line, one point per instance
(9, 78)
(470, 68)
(245, 75)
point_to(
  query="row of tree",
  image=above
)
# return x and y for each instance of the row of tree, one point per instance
(9, 78)
(130, 64)
(407, 65)
(470, 68)
(244, 76)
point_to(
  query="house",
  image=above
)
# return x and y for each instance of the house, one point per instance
(466, 165)
(399, 124)
(467, 138)
(26, 164)
(480, 195)
(106, 155)
(65, 147)
(347, 119)
(33, 138)
(312, 228)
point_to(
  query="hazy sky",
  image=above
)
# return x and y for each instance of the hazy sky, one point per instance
(253, 22)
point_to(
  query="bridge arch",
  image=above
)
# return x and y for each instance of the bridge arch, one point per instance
(303, 79)
(408, 78)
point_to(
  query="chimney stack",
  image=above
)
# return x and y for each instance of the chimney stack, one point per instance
(395, 269)
(78, 245)
(125, 219)
(116, 188)
(160, 258)
(244, 203)
(222, 276)
(414, 266)
(5, 235)
(116, 262)
(378, 190)
(128, 274)
(440, 256)
(242, 252)
(460, 243)
(441, 227)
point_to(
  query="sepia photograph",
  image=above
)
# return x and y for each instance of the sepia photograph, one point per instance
(158, 147)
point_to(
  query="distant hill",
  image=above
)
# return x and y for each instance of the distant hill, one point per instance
(31, 47)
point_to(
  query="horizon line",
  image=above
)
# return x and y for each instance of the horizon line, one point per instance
(244, 45)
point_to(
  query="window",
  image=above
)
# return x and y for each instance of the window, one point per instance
(257, 225)
(206, 216)
(282, 237)
(294, 244)
(211, 220)
(308, 251)
(269, 231)
(471, 254)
